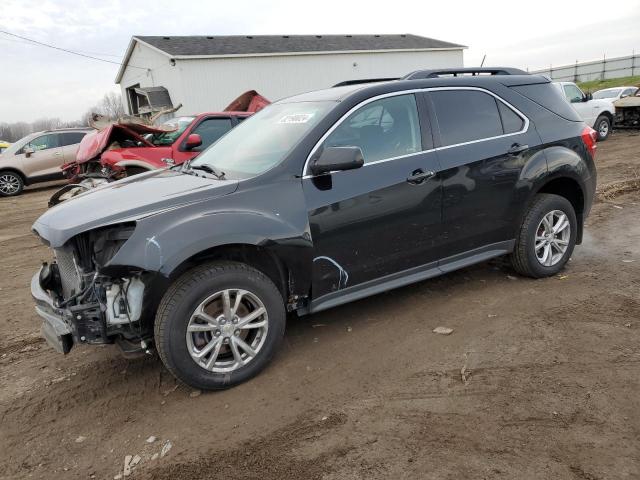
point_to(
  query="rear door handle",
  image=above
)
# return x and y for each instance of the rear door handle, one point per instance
(419, 176)
(57, 154)
(517, 148)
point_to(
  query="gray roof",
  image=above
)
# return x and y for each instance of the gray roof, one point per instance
(274, 44)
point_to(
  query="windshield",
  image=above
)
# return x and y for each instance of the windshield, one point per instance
(167, 138)
(263, 140)
(612, 93)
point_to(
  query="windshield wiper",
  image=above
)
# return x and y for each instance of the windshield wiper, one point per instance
(219, 174)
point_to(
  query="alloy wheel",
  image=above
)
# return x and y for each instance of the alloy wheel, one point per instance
(603, 128)
(552, 238)
(227, 330)
(9, 184)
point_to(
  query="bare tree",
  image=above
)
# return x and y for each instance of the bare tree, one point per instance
(110, 106)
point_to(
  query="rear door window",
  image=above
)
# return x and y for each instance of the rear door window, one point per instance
(383, 129)
(466, 115)
(210, 130)
(71, 138)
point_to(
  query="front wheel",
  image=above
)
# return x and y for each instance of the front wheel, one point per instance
(603, 127)
(219, 325)
(546, 238)
(11, 184)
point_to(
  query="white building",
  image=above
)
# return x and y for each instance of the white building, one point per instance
(207, 73)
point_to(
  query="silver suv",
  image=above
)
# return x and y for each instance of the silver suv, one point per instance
(37, 158)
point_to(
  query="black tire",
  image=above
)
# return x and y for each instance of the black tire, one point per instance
(603, 127)
(11, 183)
(184, 296)
(523, 257)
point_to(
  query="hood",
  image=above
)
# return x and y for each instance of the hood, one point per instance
(127, 200)
(250, 101)
(94, 143)
(602, 103)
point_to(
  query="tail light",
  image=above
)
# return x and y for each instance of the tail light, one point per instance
(589, 137)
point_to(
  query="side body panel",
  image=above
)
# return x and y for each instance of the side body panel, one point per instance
(43, 165)
(267, 216)
(69, 152)
(564, 150)
(485, 186)
(371, 222)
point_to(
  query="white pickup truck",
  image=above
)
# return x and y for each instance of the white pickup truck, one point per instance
(595, 113)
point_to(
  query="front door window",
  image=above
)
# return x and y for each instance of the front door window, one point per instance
(383, 129)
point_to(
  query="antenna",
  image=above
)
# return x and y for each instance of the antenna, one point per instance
(483, 59)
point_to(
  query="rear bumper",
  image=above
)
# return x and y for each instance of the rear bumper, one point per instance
(56, 326)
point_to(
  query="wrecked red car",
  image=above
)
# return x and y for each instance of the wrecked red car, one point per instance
(128, 148)
(131, 146)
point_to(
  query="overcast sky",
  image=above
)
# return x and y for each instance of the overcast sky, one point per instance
(38, 82)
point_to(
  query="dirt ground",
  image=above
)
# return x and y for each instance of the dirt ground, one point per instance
(540, 378)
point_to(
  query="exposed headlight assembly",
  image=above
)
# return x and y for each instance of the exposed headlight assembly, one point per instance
(107, 241)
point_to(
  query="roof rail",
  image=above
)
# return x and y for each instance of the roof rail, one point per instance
(363, 80)
(455, 72)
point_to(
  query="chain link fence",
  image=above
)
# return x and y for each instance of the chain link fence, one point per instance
(595, 70)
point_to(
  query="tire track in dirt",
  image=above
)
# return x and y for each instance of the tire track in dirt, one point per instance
(21, 345)
(273, 456)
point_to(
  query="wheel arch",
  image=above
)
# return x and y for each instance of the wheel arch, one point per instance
(607, 114)
(569, 188)
(258, 257)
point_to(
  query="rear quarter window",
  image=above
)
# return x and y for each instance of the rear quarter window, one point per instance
(550, 97)
(71, 138)
(511, 121)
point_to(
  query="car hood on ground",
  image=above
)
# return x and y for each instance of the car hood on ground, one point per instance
(127, 200)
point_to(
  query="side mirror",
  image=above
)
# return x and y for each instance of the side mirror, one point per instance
(193, 141)
(624, 95)
(336, 159)
(587, 97)
(28, 151)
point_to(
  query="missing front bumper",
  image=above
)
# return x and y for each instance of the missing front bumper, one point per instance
(55, 330)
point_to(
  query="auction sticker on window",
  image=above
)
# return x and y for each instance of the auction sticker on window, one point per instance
(296, 118)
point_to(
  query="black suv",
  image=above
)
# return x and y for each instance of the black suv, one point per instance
(318, 200)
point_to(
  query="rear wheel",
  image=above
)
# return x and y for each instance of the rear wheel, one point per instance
(546, 238)
(219, 325)
(11, 184)
(603, 127)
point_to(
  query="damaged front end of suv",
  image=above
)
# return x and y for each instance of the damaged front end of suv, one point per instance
(109, 247)
(83, 299)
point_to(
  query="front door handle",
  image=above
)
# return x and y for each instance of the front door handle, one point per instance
(419, 176)
(57, 154)
(517, 148)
